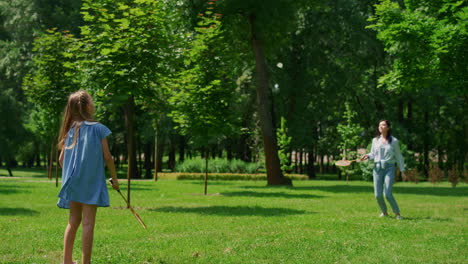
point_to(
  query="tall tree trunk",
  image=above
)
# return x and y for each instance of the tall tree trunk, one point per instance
(8, 167)
(310, 165)
(301, 167)
(182, 149)
(171, 161)
(229, 149)
(161, 147)
(57, 128)
(272, 162)
(409, 120)
(148, 166)
(156, 152)
(426, 146)
(132, 172)
(51, 159)
(206, 172)
(322, 171)
(37, 154)
(140, 161)
(56, 164)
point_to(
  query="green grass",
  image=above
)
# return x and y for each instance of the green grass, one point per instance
(243, 222)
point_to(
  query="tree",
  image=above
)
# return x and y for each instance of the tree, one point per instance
(50, 81)
(427, 41)
(12, 132)
(204, 94)
(284, 140)
(350, 139)
(265, 24)
(127, 45)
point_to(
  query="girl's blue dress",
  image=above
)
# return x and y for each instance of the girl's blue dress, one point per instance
(83, 176)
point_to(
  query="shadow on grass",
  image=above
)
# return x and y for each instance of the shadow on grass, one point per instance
(460, 191)
(26, 172)
(17, 211)
(231, 210)
(201, 183)
(435, 219)
(12, 189)
(272, 195)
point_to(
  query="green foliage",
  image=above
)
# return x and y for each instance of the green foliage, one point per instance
(284, 141)
(51, 78)
(203, 97)
(350, 134)
(127, 48)
(428, 42)
(12, 132)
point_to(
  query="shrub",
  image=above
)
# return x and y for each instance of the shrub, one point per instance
(218, 165)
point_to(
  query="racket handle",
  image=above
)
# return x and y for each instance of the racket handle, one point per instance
(112, 183)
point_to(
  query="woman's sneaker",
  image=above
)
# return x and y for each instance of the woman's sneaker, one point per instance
(398, 217)
(383, 215)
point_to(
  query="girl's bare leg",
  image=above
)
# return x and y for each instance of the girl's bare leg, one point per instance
(89, 217)
(74, 221)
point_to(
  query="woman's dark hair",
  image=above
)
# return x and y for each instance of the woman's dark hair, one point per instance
(389, 134)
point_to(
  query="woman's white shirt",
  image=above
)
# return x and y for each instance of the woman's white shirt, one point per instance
(386, 153)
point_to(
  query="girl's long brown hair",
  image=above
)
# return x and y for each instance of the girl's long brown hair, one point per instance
(79, 108)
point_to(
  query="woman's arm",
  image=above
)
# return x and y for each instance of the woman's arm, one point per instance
(370, 155)
(110, 164)
(399, 156)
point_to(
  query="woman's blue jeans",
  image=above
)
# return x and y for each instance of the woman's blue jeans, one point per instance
(383, 182)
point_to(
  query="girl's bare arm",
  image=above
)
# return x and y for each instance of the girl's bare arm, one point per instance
(110, 163)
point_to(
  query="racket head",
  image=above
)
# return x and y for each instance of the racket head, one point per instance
(343, 163)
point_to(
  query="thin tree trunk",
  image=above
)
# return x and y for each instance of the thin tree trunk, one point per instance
(206, 173)
(56, 165)
(229, 149)
(51, 160)
(161, 147)
(8, 167)
(300, 162)
(148, 166)
(140, 161)
(426, 147)
(321, 164)
(171, 161)
(132, 171)
(37, 154)
(156, 154)
(310, 165)
(182, 149)
(296, 168)
(272, 163)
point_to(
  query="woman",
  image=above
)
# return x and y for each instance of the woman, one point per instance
(385, 152)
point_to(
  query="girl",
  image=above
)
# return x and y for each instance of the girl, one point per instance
(84, 151)
(385, 152)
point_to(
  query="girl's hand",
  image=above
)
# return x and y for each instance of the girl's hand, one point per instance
(403, 176)
(365, 157)
(115, 184)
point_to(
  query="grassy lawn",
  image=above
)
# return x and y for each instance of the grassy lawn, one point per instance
(243, 222)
